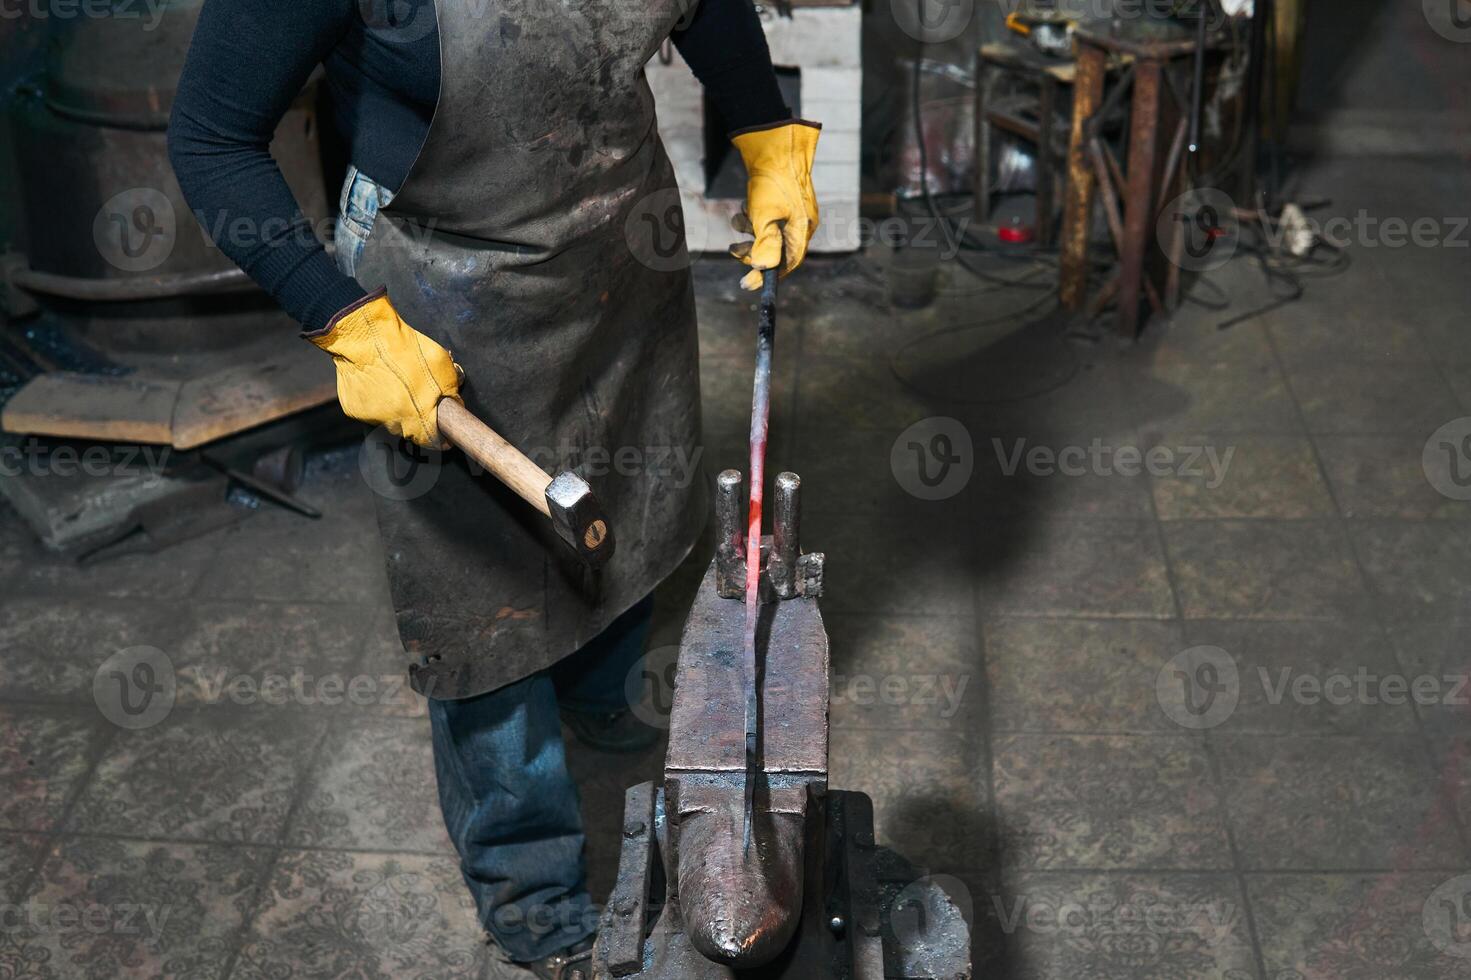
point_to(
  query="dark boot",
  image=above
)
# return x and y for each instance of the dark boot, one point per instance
(569, 964)
(619, 731)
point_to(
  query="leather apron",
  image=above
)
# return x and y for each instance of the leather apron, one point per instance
(519, 242)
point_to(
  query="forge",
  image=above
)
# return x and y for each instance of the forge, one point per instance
(812, 896)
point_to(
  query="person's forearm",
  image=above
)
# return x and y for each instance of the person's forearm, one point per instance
(223, 118)
(242, 202)
(725, 47)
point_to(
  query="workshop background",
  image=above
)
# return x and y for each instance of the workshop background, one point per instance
(1146, 512)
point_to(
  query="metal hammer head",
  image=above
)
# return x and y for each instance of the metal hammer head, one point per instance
(579, 518)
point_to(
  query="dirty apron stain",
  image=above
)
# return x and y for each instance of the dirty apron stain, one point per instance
(509, 244)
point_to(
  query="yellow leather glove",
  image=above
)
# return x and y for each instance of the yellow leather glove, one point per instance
(781, 208)
(388, 373)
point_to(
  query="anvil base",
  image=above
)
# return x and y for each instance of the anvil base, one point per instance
(867, 913)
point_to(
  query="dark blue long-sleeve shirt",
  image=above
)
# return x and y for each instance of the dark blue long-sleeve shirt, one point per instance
(250, 58)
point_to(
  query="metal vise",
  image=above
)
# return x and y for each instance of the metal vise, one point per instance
(812, 898)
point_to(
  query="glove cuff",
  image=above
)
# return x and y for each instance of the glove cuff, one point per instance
(325, 333)
(779, 124)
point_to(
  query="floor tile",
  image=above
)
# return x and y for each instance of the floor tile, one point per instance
(1457, 374)
(1107, 802)
(1436, 661)
(1417, 570)
(929, 792)
(385, 665)
(373, 788)
(18, 855)
(1059, 475)
(1072, 568)
(879, 567)
(1359, 399)
(1308, 678)
(726, 321)
(904, 673)
(134, 909)
(27, 568)
(1386, 477)
(1225, 476)
(1233, 386)
(43, 757)
(341, 914)
(1339, 926)
(282, 557)
(1452, 757)
(1134, 926)
(1355, 334)
(251, 646)
(1077, 675)
(1335, 803)
(725, 393)
(211, 774)
(54, 646)
(855, 472)
(1264, 570)
(1051, 386)
(1443, 330)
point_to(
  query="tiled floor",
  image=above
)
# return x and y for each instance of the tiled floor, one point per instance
(1011, 682)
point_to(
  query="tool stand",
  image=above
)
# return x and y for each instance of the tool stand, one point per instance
(812, 897)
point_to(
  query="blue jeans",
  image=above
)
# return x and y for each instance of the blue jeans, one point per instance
(509, 802)
(357, 209)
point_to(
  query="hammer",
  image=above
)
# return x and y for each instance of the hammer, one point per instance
(566, 498)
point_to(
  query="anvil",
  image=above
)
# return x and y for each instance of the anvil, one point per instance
(813, 896)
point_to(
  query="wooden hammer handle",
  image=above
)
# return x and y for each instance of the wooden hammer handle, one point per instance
(481, 443)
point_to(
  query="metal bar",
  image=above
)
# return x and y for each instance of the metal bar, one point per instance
(1139, 195)
(781, 567)
(129, 290)
(730, 569)
(622, 935)
(760, 420)
(1198, 91)
(1078, 206)
(982, 203)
